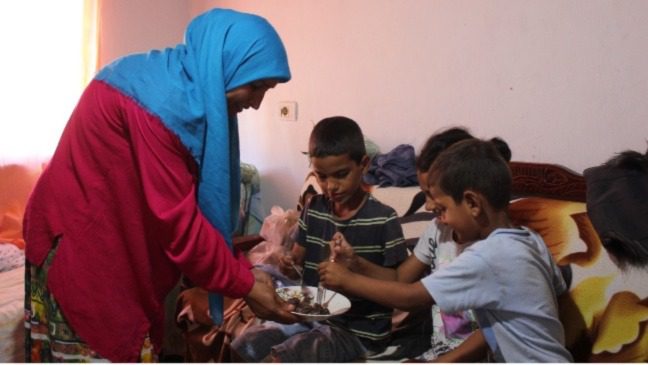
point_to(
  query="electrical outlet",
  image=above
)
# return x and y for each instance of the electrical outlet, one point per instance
(288, 111)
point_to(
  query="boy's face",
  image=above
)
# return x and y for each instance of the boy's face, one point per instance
(459, 216)
(339, 176)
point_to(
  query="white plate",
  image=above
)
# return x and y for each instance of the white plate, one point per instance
(338, 305)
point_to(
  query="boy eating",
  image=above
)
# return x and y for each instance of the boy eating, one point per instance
(339, 160)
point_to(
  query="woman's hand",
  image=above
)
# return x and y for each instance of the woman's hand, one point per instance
(333, 275)
(265, 303)
(341, 250)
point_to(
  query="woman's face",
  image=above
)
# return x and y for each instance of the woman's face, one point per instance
(249, 95)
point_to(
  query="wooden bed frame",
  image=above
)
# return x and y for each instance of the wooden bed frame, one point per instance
(547, 181)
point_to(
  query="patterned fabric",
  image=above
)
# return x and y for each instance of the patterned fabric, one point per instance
(376, 235)
(49, 337)
(605, 309)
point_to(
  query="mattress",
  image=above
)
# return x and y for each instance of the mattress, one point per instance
(12, 329)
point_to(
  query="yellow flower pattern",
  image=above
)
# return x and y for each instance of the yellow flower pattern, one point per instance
(605, 312)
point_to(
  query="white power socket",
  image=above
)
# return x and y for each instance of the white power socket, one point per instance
(288, 111)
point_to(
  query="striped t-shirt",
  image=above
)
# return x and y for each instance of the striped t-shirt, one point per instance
(376, 235)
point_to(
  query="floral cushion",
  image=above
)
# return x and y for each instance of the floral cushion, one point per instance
(605, 312)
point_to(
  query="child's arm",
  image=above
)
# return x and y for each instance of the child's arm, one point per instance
(288, 262)
(392, 294)
(343, 253)
(473, 349)
(408, 271)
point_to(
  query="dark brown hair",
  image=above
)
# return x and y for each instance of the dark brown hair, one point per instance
(473, 164)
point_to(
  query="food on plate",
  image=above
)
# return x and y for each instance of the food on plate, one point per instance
(303, 301)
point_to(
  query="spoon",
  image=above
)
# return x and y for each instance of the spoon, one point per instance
(301, 276)
(325, 304)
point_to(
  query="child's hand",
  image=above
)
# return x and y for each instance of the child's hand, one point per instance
(287, 267)
(341, 250)
(332, 275)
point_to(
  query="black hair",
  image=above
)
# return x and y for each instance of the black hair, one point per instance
(440, 141)
(502, 147)
(335, 136)
(473, 164)
(437, 143)
(617, 192)
(630, 160)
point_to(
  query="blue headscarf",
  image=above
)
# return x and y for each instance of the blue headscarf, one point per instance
(185, 87)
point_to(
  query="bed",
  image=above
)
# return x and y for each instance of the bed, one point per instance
(16, 182)
(12, 328)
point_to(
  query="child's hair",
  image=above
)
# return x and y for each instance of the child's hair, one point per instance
(630, 160)
(473, 164)
(335, 136)
(438, 142)
(617, 205)
(502, 147)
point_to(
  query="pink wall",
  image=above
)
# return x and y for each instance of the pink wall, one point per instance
(128, 26)
(562, 82)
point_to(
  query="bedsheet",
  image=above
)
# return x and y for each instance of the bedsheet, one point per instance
(12, 329)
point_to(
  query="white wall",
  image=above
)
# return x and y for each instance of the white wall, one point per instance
(562, 82)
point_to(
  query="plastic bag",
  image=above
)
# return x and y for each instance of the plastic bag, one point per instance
(278, 231)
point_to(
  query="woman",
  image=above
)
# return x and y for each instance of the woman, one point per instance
(144, 186)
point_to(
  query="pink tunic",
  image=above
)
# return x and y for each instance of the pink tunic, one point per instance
(120, 191)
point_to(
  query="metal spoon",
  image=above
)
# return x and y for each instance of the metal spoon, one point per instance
(325, 304)
(301, 276)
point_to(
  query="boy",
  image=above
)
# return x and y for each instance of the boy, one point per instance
(339, 160)
(507, 277)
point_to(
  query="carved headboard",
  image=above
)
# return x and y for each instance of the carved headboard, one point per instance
(547, 181)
